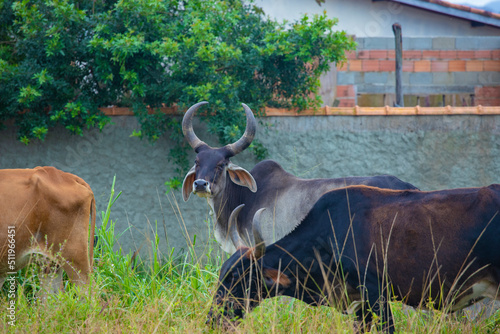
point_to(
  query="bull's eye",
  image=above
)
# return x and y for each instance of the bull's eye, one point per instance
(233, 278)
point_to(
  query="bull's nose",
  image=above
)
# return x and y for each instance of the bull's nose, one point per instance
(200, 185)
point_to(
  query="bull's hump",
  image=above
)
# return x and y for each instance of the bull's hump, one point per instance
(269, 168)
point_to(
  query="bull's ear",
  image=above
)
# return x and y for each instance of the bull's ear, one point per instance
(241, 177)
(273, 276)
(187, 184)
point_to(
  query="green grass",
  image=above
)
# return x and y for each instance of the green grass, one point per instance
(172, 293)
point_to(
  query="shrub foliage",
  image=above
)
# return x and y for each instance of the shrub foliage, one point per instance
(60, 60)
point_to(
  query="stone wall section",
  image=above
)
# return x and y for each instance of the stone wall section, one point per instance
(431, 152)
(466, 67)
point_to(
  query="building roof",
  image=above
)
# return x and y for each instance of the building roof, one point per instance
(477, 17)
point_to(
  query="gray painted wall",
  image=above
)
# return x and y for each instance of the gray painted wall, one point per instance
(432, 152)
(367, 18)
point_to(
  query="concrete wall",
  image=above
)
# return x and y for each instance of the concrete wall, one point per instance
(432, 152)
(365, 18)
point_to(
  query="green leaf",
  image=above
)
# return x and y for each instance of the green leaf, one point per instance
(40, 132)
(25, 140)
(136, 133)
(28, 94)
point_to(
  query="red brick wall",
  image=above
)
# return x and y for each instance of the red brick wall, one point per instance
(423, 61)
(346, 94)
(487, 96)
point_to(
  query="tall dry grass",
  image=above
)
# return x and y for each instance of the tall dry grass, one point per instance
(172, 293)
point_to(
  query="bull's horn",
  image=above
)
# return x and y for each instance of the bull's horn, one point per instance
(187, 126)
(260, 245)
(233, 228)
(249, 134)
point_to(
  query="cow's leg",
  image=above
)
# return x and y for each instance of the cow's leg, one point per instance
(375, 302)
(364, 320)
(380, 306)
(51, 281)
(76, 262)
(77, 273)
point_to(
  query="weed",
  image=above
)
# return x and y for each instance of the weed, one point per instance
(158, 293)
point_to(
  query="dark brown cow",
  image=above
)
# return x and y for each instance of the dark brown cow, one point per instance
(47, 211)
(287, 198)
(370, 245)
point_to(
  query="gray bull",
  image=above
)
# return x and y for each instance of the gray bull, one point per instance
(225, 185)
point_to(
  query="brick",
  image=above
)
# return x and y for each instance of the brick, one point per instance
(442, 78)
(465, 54)
(466, 78)
(420, 78)
(346, 91)
(360, 41)
(489, 78)
(407, 66)
(375, 78)
(387, 65)
(378, 43)
(364, 54)
(346, 78)
(342, 66)
(456, 65)
(370, 65)
(487, 102)
(391, 54)
(420, 43)
(350, 54)
(355, 65)
(444, 43)
(413, 54)
(482, 54)
(378, 54)
(444, 54)
(347, 102)
(495, 54)
(439, 66)
(430, 54)
(478, 43)
(422, 66)
(487, 92)
(122, 111)
(491, 65)
(474, 65)
(391, 79)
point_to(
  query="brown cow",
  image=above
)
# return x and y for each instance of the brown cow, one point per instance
(45, 210)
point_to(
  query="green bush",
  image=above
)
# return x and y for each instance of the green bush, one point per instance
(60, 60)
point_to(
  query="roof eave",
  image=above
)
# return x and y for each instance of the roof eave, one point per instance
(477, 19)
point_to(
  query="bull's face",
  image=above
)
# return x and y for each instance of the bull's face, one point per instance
(239, 291)
(244, 280)
(208, 177)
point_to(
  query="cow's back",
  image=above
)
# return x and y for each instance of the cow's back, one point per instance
(421, 237)
(288, 199)
(48, 189)
(46, 207)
